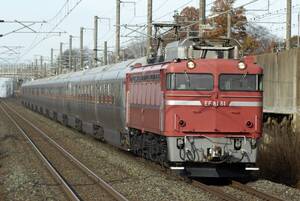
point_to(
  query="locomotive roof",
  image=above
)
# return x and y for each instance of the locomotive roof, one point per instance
(108, 72)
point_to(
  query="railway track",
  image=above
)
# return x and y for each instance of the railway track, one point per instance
(77, 181)
(238, 186)
(254, 192)
(215, 191)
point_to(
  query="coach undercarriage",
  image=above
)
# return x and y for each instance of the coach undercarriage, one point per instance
(149, 146)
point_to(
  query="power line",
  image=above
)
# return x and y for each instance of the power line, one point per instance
(70, 10)
(180, 7)
(63, 7)
(187, 3)
(275, 12)
(160, 6)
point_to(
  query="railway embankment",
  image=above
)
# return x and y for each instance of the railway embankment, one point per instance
(279, 153)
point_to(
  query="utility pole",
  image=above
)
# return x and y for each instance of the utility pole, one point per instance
(229, 24)
(81, 48)
(70, 52)
(105, 53)
(95, 59)
(51, 57)
(118, 30)
(288, 23)
(201, 16)
(149, 27)
(60, 58)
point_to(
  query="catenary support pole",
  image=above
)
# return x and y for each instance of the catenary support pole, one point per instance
(229, 24)
(149, 27)
(288, 24)
(60, 58)
(201, 17)
(51, 58)
(105, 53)
(298, 43)
(70, 52)
(118, 29)
(41, 65)
(81, 48)
(36, 68)
(95, 56)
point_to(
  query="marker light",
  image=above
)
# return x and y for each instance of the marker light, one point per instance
(191, 65)
(176, 60)
(242, 66)
(237, 144)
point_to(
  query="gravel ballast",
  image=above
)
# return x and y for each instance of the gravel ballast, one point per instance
(279, 190)
(22, 174)
(136, 178)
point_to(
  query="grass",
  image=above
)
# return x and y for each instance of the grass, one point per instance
(279, 152)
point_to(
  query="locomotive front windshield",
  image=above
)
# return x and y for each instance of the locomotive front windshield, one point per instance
(240, 82)
(190, 81)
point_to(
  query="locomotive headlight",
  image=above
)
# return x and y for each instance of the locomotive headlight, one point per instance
(182, 123)
(191, 65)
(242, 66)
(249, 124)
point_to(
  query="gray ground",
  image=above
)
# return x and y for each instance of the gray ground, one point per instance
(22, 175)
(23, 178)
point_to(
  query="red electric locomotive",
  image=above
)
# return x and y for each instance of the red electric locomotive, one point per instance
(197, 108)
(201, 113)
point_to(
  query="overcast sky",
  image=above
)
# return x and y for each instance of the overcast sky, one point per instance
(82, 15)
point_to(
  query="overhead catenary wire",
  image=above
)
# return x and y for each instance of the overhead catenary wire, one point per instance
(70, 10)
(158, 7)
(49, 22)
(213, 16)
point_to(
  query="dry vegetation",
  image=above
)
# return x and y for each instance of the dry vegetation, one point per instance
(279, 152)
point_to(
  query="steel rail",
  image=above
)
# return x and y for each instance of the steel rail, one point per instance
(108, 188)
(67, 188)
(252, 191)
(214, 191)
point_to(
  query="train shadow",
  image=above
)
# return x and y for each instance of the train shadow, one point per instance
(226, 181)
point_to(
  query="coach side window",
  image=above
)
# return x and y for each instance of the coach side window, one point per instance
(100, 92)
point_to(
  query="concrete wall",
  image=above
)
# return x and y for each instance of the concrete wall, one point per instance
(281, 81)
